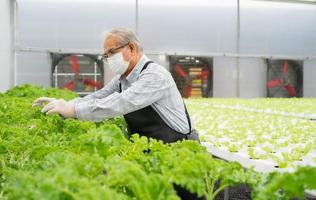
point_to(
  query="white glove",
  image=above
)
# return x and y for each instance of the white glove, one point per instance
(42, 100)
(60, 106)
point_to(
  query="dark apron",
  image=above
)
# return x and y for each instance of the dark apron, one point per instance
(147, 122)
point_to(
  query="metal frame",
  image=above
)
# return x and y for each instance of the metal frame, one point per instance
(136, 16)
(14, 31)
(191, 53)
(238, 50)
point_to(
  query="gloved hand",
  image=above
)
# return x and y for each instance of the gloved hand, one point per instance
(60, 106)
(42, 100)
(56, 106)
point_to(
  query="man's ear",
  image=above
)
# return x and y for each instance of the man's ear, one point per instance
(133, 48)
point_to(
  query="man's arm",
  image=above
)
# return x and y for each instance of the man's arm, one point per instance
(111, 87)
(149, 88)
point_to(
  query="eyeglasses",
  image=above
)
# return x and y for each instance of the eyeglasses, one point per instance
(111, 52)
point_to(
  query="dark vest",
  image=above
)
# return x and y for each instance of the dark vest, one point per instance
(147, 122)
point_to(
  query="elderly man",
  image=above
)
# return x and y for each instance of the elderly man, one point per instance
(143, 91)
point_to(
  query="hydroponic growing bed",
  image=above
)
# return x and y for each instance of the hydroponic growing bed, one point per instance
(270, 139)
(47, 157)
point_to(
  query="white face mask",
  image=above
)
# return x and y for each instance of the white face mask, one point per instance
(117, 63)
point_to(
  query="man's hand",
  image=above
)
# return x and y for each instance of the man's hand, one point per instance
(42, 100)
(60, 106)
(56, 106)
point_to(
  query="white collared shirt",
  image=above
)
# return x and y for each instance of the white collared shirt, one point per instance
(154, 86)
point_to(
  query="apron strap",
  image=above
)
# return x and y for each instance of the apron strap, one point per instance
(188, 118)
(145, 66)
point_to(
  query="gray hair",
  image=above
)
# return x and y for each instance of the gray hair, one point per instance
(125, 36)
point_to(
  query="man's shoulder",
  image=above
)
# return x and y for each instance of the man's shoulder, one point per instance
(157, 73)
(157, 69)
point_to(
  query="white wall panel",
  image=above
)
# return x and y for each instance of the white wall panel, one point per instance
(224, 77)
(309, 78)
(188, 25)
(277, 28)
(72, 24)
(34, 68)
(252, 77)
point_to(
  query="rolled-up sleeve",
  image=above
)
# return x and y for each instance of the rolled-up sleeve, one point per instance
(148, 89)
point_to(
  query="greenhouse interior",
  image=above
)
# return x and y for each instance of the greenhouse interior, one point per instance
(158, 100)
